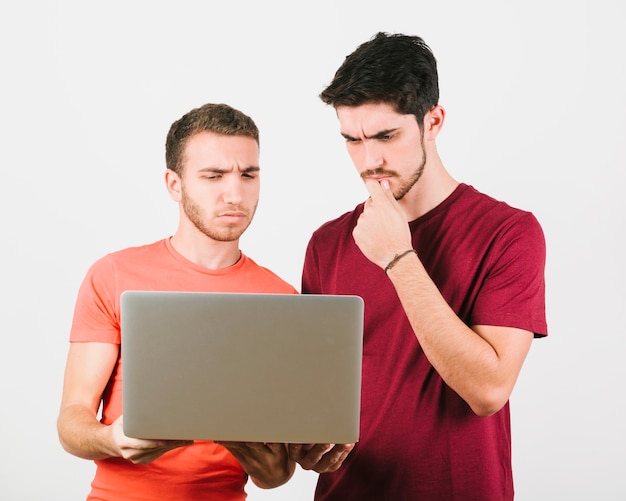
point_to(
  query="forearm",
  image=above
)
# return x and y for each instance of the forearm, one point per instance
(274, 478)
(465, 361)
(82, 435)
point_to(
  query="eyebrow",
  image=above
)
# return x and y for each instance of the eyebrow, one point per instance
(217, 170)
(378, 135)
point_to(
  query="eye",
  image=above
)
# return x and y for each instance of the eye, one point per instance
(385, 137)
(248, 175)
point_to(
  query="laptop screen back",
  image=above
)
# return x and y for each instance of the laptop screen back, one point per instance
(241, 367)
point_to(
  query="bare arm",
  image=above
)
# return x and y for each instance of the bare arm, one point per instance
(88, 369)
(480, 363)
(268, 465)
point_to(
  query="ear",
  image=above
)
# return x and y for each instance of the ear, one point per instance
(433, 122)
(173, 184)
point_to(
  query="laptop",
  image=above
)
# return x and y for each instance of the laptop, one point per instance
(247, 367)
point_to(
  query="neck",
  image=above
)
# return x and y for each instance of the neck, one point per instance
(206, 252)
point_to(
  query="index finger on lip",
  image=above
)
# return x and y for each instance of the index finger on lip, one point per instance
(373, 187)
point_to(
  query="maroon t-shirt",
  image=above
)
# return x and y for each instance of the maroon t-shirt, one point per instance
(419, 440)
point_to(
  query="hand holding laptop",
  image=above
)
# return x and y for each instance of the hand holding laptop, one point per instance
(139, 450)
(257, 457)
(322, 458)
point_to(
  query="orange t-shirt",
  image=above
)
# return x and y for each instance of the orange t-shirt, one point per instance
(204, 469)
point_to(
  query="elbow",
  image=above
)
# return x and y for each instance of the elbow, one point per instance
(485, 410)
(69, 438)
(69, 447)
(489, 403)
(61, 436)
(66, 442)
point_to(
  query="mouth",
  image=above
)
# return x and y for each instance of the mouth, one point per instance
(377, 175)
(378, 178)
(233, 213)
(233, 216)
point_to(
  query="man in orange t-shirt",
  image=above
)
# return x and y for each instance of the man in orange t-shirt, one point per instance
(212, 157)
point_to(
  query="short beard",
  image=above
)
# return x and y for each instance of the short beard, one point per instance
(196, 216)
(406, 186)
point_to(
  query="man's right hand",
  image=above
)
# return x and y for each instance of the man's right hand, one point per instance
(138, 450)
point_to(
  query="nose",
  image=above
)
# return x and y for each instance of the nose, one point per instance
(233, 190)
(372, 155)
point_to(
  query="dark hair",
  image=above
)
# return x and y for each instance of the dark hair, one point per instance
(396, 69)
(217, 118)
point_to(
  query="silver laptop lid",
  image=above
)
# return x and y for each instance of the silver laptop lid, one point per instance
(241, 367)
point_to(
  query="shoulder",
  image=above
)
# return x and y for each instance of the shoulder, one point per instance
(497, 214)
(266, 278)
(339, 225)
(128, 258)
(139, 252)
(512, 235)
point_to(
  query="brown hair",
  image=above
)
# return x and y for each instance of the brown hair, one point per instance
(217, 118)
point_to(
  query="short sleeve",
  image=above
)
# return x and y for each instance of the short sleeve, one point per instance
(96, 317)
(513, 293)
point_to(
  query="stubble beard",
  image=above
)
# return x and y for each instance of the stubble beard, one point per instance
(197, 217)
(405, 185)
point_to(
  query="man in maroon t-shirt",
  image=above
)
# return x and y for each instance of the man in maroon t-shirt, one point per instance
(453, 283)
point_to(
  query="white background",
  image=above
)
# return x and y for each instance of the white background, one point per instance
(535, 95)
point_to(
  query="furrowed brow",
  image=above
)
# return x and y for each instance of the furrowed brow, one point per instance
(218, 170)
(347, 137)
(213, 170)
(381, 134)
(378, 135)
